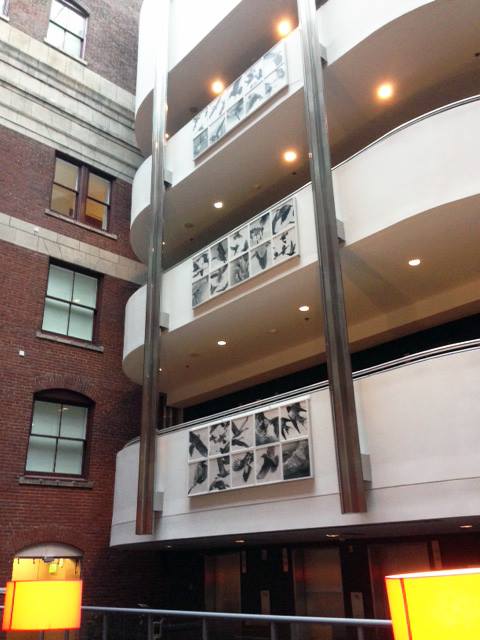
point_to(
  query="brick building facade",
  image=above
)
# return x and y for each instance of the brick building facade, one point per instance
(54, 105)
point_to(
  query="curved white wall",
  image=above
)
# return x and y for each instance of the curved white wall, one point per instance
(421, 427)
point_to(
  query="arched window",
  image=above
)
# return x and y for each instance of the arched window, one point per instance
(58, 435)
(67, 27)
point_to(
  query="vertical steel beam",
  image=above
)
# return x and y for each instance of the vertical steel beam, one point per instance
(151, 361)
(352, 491)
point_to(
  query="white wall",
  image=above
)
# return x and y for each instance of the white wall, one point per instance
(421, 426)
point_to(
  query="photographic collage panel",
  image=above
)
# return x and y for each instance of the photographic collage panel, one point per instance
(246, 94)
(269, 239)
(268, 446)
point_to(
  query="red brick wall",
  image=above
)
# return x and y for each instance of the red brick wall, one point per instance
(81, 517)
(112, 34)
(26, 177)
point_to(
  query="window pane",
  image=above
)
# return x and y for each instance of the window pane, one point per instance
(55, 317)
(72, 45)
(67, 18)
(99, 188)
(46, 418)
(74, 421)
(41, 454)
(63, 201)
(55, 35)
(3, 6)
(81, 323)
(69, 457)
(96, 213)
(60, 283)
(85, 290)
(66, 174)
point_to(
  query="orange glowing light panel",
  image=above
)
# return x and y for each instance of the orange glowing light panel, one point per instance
(42, 605)
(436, 605)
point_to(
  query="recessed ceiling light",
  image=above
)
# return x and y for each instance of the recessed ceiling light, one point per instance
(466, 526)
(290, 155)
(167, 135)
(217, 87)
(414, 262)
(160, 369)
(272, 330)
(304, 307)
(168, 546)
(221, 343)
(385, 91)
(284, 27)
(218, 205)
(331, 535)
(239, 541)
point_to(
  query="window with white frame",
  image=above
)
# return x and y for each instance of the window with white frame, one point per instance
(3, 7)
(70, 303)
(67, 27)
(57, 438)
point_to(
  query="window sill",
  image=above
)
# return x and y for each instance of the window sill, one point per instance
(50, 481)
(54, 214)
(69, 341)
(69, 55)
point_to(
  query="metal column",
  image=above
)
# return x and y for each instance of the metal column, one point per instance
(151, 363)
(352, 491)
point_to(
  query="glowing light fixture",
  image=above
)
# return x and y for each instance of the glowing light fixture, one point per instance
(436, 604)
(332, 535)
(385, 91)
(304, 307)
(466, 526)
(217, 87)
(42, 605)
(414, 262)
(239, 541)
(284, 27)
(290, 155)
(221, 343)
(218, 205)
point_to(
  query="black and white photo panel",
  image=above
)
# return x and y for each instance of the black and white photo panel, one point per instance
(273, 59)
(216, 130)
(239, 270)
(219, 438)
(197, 477)
(218, 254)
(294, 420)
(284, 245)
(260, 229)
(199, 291)
(200, 265)
(243, 469)
(243, 435)
(267, 427)
(238, 242)
(267, 465)
(296, 460)
(261, 258)
(254, 99)
(252, 77)
(234, 92)
(235, 114)
(219, 474)
(198, 444)
(275, 81)
(283, 217)
(216, 108)
(200, 143)
(200, 122)
(219, 281)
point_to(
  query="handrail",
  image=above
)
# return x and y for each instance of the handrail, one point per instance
(209, 615)
(413, 358)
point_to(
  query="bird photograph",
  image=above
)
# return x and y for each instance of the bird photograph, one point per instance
(283, 217)
(219, 280)
(259, 229)
(266, 427)
(296, 460)
(268, 464)
(238, 242)
(242, 432)
(197, 448)
(200, 265)
(219, 438)
(284, 245)
(242, 466)
(239, 270)
(220, 472)
(294, 420)
(261, 258)
(218, 254)
(198, 476)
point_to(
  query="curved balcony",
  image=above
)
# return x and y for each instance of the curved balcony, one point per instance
(399, 198)
(418, 420)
